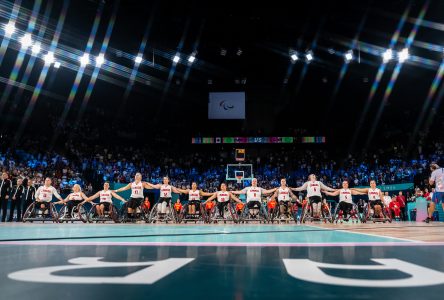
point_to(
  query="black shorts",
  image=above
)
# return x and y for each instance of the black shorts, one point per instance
(72, 203)
(284, 203)
(315, 199)
(106, 205)
(221, 205)
(345, 206)
(254, 204)
(134, 202)
(163, 199)
(194, 202)
(376, 202)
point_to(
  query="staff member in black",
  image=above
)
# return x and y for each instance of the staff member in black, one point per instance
(5, 190)
(16, 200)
(29, 193)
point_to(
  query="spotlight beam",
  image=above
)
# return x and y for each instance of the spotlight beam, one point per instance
(79, 75)
(96, 71)
(395, 74)
(21, 56)
(377, 80)
(33, 58)
(43, 74)
(12, 18)
(135, 69)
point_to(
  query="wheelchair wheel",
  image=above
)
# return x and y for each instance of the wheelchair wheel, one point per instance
(28, 213)
(81, 213)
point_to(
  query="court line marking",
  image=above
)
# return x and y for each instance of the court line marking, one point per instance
(221, 244)
(369, 234)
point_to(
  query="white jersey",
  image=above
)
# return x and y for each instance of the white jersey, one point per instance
(313, 188)
(345, 195)
(283, 194)
(106, 196)
(223, 196)
(438, 177)
(373, 194)
(137, 190)
(253, 193)
(75, 196)
(45, 193)
(194, 195)
(165, 191)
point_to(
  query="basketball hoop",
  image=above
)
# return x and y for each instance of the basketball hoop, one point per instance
(239, 176)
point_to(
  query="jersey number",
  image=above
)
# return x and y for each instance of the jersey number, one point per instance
(165, 194)
(136, 192)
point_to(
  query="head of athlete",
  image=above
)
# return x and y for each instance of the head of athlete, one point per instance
(223, 187)
(373, 184)
(312, 177)
(254, 182)
(106, 185)
(166, 180)
(76, 188)
(345, 184)
(283, 182)
(194, 186)
(138, 177)
(48, 182)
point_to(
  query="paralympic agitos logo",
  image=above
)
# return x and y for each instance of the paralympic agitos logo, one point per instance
(226, 106)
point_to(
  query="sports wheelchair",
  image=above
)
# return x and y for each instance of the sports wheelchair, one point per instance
(35, 213)
(308, 214)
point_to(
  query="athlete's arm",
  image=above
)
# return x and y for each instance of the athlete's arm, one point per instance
(205, 194)
(155, 186)
(326, 188)
(235, 198)
(301, 188)
(211, 198)
(117, 196)
(241, 192)
(356, 192)
(147, 185)
(432, 178)
(54, 191)
(92, 197)
(335, 193)
(266, 192)
(126, 187)
(363, 191)
(274, 195)
(183, 191)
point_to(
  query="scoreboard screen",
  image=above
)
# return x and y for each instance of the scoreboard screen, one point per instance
(260, 140)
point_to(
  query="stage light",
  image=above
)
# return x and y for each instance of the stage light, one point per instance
(176, 58)
(57, 64)
(100, 59)
(36, 48)
(191, 58)
(403, 55)
(348, 56)
(387, 55)
(239, 52)
(26, 41)
(309, 56)
(84, 60)
(294, 57)
(138, 59)
(9, 29)
(48, 58)
(223, 51)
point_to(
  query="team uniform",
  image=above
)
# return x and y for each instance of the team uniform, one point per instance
(165, 194)
(374, 197)
(223, 198)
(194, 198)
(106, 198)
(254, 196)
(438, 177)
(283, 197)
(44, 195)
(74, 200)
(136, 195)
(345, 200)
(314, 191)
